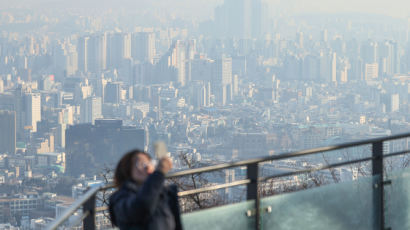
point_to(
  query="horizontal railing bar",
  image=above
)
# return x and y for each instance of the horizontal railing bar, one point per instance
(76, 205)
(336, 165)
(212, 188)
(396, 154)
(101, 209)
(263, 179)
(80, 219)
(284, 156)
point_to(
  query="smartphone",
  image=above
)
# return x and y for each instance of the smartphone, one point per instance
(160, 149)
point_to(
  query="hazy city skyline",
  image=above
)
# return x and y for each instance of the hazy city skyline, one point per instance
(83, 82)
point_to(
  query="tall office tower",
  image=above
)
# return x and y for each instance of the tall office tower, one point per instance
(59, 57)
(90, 147)
(395, 102)
(32, 110)
(200, 94)
(91, 109)
(98, 83)
(391, 102)
(325, 64)
(408, 31)
(112, 93)
(71, 60)
(82, 50)
(334, 67)
(65, 59)
(143, 47)
(17, 104)
(126, 45)
(118, 48)
(97, 53)
(235, 85)
(371, 71)
(324, 36)
(291, 66)
(368, 52)
(406, 60)
(389, 58)
(8, 132)
(201, 69)
(356, 71)
(31, 43)
(343, 74)
(222, 80)
(225, 69)
(191, 49)
(177, 59)
(311, 66)
(258, 17)
(114, 50)
(300, 39)
(240, 18)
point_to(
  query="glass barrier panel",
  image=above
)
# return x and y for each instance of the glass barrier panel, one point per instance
(397, 201)
(347, 205)
(225, 217)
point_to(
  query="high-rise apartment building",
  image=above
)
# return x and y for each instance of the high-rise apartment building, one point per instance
(118, 48)
(32, 110)
(371, 71)
(222, 80)
(82, 50)
(91, 109)
(8, 132)
(389, 62)
(143, 46)
(97, 53)
(369, 52)
(334, 68)
(112, 93)
(240, 18)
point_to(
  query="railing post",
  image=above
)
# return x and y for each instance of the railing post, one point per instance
(252, 190)
(378, 190)
(89, 220)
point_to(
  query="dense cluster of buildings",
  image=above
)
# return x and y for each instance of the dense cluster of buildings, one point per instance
(72, 103)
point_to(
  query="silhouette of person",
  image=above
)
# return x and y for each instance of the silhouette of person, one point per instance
(142, 201)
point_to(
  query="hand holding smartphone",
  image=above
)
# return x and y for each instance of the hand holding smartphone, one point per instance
(160, 150)
(164, 163)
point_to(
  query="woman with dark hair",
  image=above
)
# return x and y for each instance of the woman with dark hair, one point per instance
(142, 201)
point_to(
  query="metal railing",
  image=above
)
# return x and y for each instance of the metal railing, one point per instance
(252, 181)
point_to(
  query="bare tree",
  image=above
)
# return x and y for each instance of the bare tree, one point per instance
(106, 174)
(195, 181)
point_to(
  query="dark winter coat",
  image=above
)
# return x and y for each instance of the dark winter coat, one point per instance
(151, 206)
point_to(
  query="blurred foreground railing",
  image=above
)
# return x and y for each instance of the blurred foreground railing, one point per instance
(252, 208)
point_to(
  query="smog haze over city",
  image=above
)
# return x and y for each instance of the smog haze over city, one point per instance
(84, 81)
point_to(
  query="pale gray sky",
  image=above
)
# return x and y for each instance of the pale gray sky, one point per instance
(396, 8)
(204, 8)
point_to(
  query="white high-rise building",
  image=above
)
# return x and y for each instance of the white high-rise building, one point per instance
(371, 71)
(32, 110)
(82, 50)
(178, 60)
(91, 109)
(97, 53)
(143, 46)
(334, 68)
(118, 49)
(395, 102)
